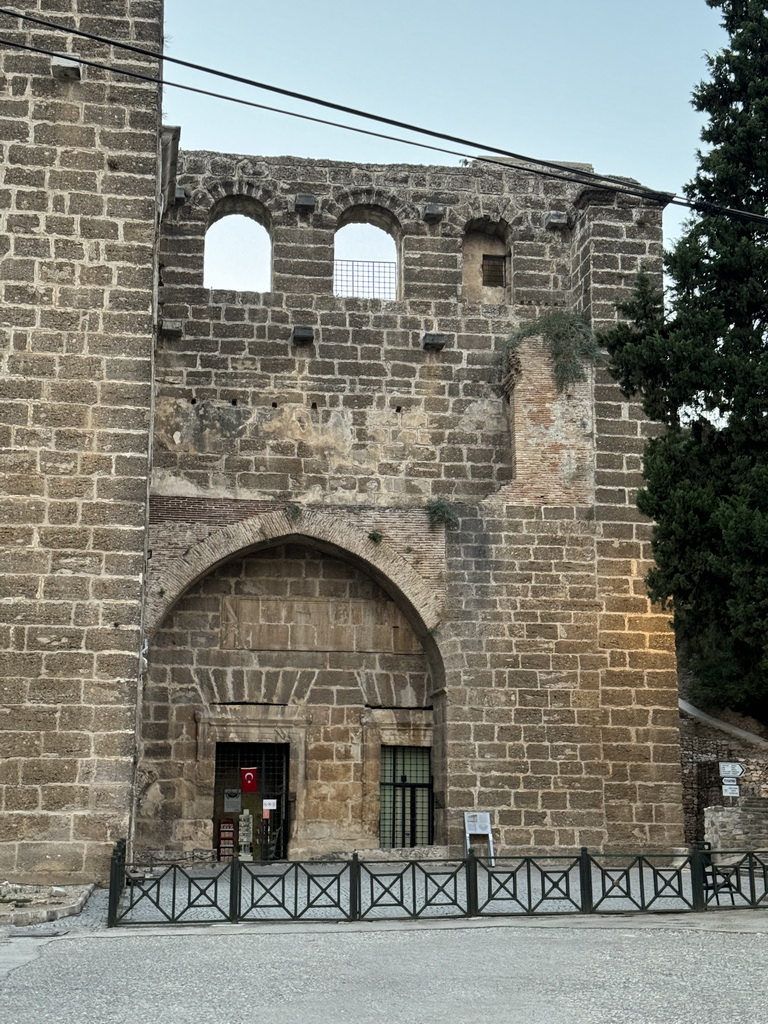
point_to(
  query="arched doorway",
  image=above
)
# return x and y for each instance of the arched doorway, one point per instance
(293, 661)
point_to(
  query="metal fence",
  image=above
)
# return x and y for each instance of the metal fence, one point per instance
(365, 279)
(364, 890)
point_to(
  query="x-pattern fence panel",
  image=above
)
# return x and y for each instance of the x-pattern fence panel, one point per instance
(414, 889)
(528, 885)
(175, 895)
(295, 891)
(737, 880)
(358, 889)
(622, 883)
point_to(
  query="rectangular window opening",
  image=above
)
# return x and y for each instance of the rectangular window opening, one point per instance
(494, 271)
(407, 804)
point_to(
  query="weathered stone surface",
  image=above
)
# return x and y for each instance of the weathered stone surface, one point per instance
(298, 592)
(58, 414)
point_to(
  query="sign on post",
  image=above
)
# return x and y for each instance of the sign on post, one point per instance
(730, 787)
(478, 823)
(731, 769)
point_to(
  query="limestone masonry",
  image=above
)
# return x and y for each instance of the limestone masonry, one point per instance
(221, 553)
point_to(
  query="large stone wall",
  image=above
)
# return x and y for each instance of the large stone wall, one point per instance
(293, 481)
(77, 247)
(554, 688)
(341, 683)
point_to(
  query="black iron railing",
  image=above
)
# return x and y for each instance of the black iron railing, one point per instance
(355, 889)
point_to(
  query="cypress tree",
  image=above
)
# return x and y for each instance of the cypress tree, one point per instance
(701, 369)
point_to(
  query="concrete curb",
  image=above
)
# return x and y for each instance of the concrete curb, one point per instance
(44, 912)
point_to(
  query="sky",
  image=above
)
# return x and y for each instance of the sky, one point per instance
(606, 82)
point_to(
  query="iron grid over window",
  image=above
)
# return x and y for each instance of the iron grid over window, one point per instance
(365, 279)
(494, 271)
(406, 797)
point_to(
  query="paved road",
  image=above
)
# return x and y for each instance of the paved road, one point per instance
(680, 969)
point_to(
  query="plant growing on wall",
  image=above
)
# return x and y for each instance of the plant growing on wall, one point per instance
(293, 512)
(442, 512)
(570, 342)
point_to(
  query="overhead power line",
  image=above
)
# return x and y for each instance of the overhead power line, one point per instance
(568, 173)
(638, 191)
(306, 98)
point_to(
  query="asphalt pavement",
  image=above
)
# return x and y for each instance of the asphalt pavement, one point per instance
(640, 969)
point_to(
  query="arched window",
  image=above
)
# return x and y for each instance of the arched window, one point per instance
(365, 264)
(486, 265)
(238, 248)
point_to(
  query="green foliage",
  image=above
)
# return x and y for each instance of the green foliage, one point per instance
(442, 512)
(376, 537)
(702, 370)
(293, 512)
(570, 341)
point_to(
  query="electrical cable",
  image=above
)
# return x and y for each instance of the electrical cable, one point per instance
(143, 51)
(638, 192)
(572, 174)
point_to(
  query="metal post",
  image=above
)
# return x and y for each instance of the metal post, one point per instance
(752, 891)
(235, 875)
(470, 867)
(585, 882)
(698, 893)
(355, 884)
(116, 882)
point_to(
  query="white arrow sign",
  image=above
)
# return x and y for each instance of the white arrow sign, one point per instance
(731, 769)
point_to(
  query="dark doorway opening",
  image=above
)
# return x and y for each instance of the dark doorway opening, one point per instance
(268, 804)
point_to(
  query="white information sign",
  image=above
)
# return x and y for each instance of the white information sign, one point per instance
(245, 830)
(730, 787)
(269, 805)
(731, 769)
(478, 823)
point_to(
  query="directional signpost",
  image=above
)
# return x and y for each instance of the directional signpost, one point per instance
(730, 773)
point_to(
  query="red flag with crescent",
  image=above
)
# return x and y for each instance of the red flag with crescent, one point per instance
(249, 780)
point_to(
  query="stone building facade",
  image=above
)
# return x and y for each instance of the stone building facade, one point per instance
(309, 530)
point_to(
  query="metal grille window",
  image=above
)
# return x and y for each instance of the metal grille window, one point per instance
(365, 279)
(406, 797)
(494, 271)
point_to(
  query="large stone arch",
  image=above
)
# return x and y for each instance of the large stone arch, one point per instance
(332, 709)
(329, 531)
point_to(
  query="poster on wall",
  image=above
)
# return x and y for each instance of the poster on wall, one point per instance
(232, 801)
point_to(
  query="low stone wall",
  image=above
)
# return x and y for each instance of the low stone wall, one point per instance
(703, 747)
(744, 826)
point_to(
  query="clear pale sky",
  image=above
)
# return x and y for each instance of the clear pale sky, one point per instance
(606, 82)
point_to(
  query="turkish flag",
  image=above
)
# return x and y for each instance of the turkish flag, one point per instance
(249, 780)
